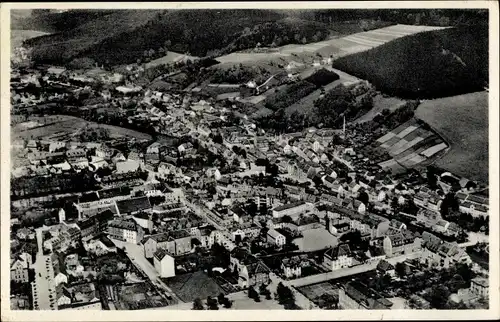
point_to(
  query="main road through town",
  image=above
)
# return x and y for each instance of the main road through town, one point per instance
(313, 279)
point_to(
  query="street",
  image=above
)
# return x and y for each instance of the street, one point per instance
(348, 271)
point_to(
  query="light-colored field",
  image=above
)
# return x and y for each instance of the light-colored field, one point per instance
(170, 57)
(60, 127)
(463, 121)
(240, 302)
(18, 36)
(315, 239)
(337, 47)
(306, 103)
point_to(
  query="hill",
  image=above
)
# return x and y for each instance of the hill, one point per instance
(463, 121)
(426, 65)
(122, 36)
(53, 21)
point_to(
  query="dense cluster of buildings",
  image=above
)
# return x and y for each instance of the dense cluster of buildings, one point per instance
(219, 181)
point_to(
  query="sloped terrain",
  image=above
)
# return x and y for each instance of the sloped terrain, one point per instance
(426, 65)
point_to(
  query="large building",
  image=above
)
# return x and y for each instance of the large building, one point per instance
(127, 231)
(175, 242)
(338, 257)
(19, 268)
(293, 209)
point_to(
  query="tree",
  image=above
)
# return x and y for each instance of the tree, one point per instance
(198, 304)
(400, 269)
(438, 296)
(285, 296)
(252, 293)
(212, 303)
(221, 298)
(364, 198)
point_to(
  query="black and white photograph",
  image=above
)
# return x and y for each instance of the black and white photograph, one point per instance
(247, 158)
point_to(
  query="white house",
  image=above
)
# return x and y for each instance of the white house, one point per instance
(275, 238)
(338, 257)
(293, 209)
(60, 278)
(19, 268)
(164, 263)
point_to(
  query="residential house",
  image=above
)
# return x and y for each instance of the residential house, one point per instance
(250, 270)
(164, 263)
(480, 286)
(384, 267)
(292, 267)
(19, 268)
(401, 242)
(338, 257)
(440, 254)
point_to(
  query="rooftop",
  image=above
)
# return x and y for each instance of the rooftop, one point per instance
(133, 205)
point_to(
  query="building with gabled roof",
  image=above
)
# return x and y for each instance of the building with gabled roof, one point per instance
(384, 267)
(125, 230)
(292, 267)
(164, 263)
(133, 205)
(401, 242)
(338, 257)
(275, 238)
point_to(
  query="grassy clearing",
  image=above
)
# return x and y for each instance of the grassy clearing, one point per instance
(61, 127)
(170, 57)
(463, 121)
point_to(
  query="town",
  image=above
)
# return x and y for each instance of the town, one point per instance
(129, 195)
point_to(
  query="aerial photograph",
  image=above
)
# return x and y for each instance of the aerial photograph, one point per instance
(249, 159)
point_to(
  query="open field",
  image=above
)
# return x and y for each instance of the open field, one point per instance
(315, 239)
(463, 121)
(337, 47)
(61, 127)
(314, 292)
(305, 104)
(170, 57)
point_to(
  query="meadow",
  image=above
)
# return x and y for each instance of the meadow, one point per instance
(462, 121)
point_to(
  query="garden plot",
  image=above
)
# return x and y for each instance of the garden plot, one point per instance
(409, 145)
